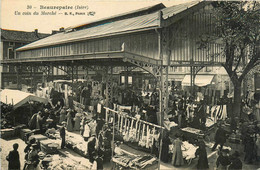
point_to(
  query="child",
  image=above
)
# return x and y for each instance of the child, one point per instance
(13, 158)
(63, 134)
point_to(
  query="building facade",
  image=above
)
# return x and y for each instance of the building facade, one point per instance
(11, 40)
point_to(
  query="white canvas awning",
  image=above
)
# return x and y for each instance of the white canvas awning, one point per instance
(200, 80)
(17, 98)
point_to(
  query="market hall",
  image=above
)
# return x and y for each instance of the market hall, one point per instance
(107, 116)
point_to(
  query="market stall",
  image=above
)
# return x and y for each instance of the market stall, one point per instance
(124, 158)
(18, 98)
(138, 135)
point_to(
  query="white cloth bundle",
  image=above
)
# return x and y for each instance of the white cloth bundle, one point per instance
(122, 120)
(147, 136)
(99, 108)
(118, 121)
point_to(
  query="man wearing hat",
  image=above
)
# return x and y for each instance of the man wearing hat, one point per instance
(63, 134)
(33, 158)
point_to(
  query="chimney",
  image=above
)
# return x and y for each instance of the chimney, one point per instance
(62, 29)
(36, 33)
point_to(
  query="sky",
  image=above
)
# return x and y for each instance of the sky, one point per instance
(22, 14)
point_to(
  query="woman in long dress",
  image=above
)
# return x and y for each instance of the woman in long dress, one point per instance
(69, 122)
(86, 133)
(77, 120)
(177, 158)
(62, 115)
(165, 148)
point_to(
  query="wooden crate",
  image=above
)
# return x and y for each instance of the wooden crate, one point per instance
(48, 147)
(39, 137)
(23, 133)
(7, 133)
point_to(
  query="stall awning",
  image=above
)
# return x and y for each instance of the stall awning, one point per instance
(18, 98)
(200, 80)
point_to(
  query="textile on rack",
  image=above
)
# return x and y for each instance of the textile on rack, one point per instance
(219, 112)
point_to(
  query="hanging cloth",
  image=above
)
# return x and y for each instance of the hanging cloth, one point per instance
(147, 136)
(118, 121)
(153, 137)
(125, 128)
(122, 120)
(132, 123)
(139, 131)
(107, 115)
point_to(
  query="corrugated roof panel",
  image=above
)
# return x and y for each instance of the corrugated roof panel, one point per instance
(142, 22)
(171, 11)
(129, 14)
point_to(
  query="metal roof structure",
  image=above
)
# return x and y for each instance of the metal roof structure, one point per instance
(130, 14)
(177, 9)
(135, 24)
(149, 21)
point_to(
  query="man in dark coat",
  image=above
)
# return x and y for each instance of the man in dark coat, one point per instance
(92, 148)
(13, 158)
(249, 148)
(202, 154)
(63, 134)
(220, 138)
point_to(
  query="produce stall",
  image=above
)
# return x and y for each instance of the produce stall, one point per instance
(76, 143)
(61, 162)
(125, 158)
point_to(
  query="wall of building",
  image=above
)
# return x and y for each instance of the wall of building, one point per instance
(143, 43)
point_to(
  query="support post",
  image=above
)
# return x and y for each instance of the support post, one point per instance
(109, 87)
(18, 76)
(164, 54)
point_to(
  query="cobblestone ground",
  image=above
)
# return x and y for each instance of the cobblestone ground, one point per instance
(6, 146)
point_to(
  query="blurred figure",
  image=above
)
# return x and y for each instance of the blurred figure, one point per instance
(220, 137)
(13, 158)
(202, 154)
(69, 121)
(33, 158)
(177, 158)
(223, 159)
(63, 134)
(236, 163)
(165, 148)
(62, 115)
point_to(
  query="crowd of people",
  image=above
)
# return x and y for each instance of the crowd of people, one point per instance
(185, 111)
